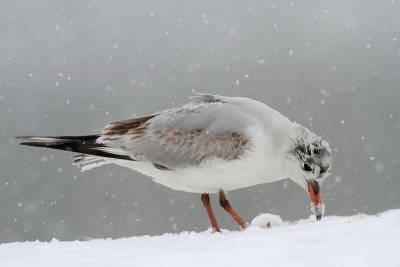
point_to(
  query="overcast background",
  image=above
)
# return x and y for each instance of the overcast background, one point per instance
(68, 67)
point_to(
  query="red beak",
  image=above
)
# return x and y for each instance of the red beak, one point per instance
(315, 197)
(313, 191)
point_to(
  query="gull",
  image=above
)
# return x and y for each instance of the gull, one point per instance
(212, 145)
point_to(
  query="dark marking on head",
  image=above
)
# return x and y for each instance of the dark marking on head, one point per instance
(313, 152)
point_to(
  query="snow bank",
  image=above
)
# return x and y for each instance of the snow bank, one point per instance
(335, 241)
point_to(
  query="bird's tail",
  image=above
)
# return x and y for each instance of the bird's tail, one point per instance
(86, 144)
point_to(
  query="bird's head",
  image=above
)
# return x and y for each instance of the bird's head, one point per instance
(309, 161)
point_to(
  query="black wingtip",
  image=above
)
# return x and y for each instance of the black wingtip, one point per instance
(25, 144)
(80, 144)
(39, 144)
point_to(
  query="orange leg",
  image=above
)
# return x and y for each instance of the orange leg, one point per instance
(225, 204)
(206, 203)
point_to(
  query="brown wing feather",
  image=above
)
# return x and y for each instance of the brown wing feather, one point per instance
(172, 147)
(228, 146)
(135, 127)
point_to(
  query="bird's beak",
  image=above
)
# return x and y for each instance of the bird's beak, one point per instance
(316, 202)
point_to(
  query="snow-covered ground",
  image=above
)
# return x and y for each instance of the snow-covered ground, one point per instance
(335, 241)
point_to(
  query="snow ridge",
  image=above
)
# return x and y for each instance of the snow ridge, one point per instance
(359, 240)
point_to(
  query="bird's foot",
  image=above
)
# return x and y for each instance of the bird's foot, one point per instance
(244, 226)
(214, 230)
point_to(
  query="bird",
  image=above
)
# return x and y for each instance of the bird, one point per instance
(211, 145)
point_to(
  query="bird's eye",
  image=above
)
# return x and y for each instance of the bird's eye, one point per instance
(307, 167)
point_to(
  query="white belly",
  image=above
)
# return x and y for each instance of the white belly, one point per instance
(216, 174)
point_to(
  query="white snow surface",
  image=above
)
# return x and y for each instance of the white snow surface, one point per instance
(358, 240)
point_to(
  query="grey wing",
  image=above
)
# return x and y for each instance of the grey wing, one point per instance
(183, 136)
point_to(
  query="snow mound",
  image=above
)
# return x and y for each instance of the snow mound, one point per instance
(333, 242)
(266, 220)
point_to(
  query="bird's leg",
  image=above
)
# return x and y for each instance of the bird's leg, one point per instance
(225, 204)
(207, 205)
